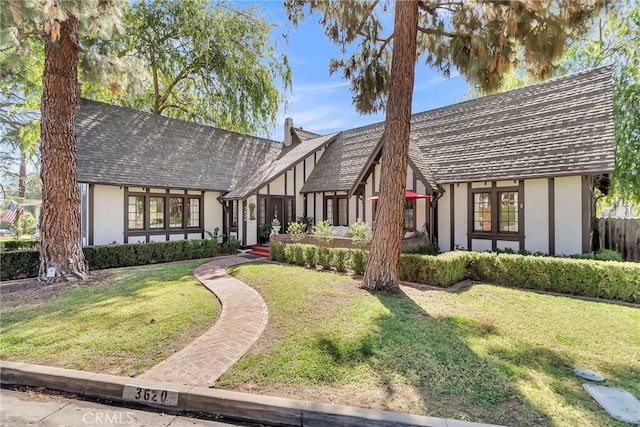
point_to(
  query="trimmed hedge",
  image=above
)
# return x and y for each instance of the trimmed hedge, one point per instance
(19, 245)
(26, 263)
(601, 279)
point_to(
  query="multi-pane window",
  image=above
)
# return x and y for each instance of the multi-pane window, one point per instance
(175, 212)
(194, 212)
(508, 219)
(481, 211)
(262, 211)
(135, 212)
(336, 210)
(234, 214)
(289, 211)
(409, 215)
(156, 212)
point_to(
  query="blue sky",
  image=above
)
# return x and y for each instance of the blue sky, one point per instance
(322, 103)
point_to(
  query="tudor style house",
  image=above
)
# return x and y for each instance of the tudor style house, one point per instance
(513, 170)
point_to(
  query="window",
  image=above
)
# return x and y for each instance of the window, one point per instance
(233, 213)
(409, 215)
(135, 212)
(194, 212)
(508, 220)
(262, 211)
(289, 211)
(175, 212)
(482, 212)
(336, 210)
(156, 212)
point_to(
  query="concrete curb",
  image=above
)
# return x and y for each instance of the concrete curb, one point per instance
(229, 404)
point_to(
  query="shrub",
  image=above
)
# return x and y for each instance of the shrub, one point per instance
(310, 255)
(360, 233)
(18, 245)
(339, 259)
(277, 251)
(296, 231)
(443, 270)
(19, 264)
(298, 254)
(323, 257)
(231, 246)
(324, 231)
(430, 249)
(358, 260)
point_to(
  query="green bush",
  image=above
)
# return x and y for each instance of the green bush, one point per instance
(444, 270)
(26, 263)
(18, 245)
(423, 250)
(323, 257)
(298, 254)
(277, 251)
(358, 260)
(310, 255)
(339, 259)
(19, 264)
(610, 279)
(231, 246)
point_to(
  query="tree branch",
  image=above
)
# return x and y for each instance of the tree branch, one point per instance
(436, 32)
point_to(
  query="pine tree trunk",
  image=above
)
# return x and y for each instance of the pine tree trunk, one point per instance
(22, 175)
(382, 268)
(60, 223)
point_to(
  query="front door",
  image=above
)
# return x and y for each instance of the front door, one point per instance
(275, 209)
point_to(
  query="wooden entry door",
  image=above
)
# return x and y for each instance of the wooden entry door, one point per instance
(275, 209)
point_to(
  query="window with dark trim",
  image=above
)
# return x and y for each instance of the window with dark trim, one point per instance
(508, 220)
(262, 211)
(135, 213)
(233, 212)
(193, 214)
(481, 211)
(409, 215)
(175, 212)
(157, 213)
(495, 211)
(336, 210)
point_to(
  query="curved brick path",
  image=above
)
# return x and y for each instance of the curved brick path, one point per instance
(244, 316)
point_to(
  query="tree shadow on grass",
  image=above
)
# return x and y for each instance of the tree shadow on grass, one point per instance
(412, 350)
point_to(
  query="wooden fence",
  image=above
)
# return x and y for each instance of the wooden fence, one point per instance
(621, 235)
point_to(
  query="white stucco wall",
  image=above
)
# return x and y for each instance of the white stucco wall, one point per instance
(536, 215)
(461, 215)
(212, 211)
(108, 212)
(277, 185)
(481, 245)
(568, 215)
(444, 219)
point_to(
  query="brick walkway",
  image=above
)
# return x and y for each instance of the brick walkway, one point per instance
(244, 316)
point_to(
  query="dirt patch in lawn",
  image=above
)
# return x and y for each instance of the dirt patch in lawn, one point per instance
(33, 291)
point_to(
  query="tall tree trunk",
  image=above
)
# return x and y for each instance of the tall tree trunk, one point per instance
(60, 251)
(22, 174)
(382, 268)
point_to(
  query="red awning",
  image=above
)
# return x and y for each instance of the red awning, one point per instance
(408, 195)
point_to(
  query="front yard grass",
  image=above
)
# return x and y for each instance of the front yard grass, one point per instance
(485, 353)
(124, 323)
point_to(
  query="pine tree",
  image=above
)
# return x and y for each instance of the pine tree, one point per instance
(481, 38)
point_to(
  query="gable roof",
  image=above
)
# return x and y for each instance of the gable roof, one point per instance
(271, 170)
(559, 127)
(563, 126)
(133, 148)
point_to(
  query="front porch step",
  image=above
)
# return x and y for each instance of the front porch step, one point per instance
(260, 250)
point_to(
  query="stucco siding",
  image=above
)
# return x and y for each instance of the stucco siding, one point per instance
(461, 215)
(277, 186)
(108, 213)
(568, 215)
(504, 244)
(444, 219)
(212, 211)
(536, 215)
(480, 245)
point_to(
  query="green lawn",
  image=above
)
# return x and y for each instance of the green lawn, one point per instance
(486, 353)
(124, 324)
